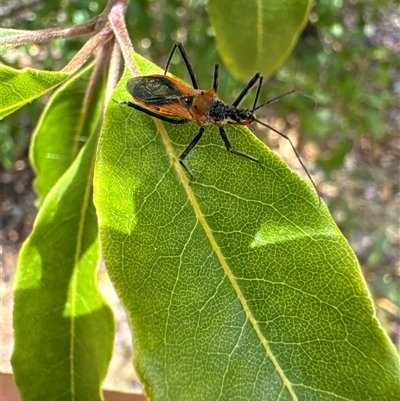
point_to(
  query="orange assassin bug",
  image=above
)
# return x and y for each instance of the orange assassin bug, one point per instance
(164, 97)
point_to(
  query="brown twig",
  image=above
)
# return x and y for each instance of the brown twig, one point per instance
(114, 72)
(102, 60)
(117, 22)
(85, 52)
(44, 35)
(110, 22)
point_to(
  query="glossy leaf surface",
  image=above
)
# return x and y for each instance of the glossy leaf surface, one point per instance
(65, 125)
(18, 87)
(239, 286)
(62, 326)
(256, 36)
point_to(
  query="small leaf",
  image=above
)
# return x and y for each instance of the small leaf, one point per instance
(65, 125)
(239, 286)
(62, 325)
(20, 87)
(256, 36)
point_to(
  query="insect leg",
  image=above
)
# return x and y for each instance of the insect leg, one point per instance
(187, 63)
(216, 77)
(153, 113)
(191, 145)
(229, 148)
(247, 89)
(257, 93)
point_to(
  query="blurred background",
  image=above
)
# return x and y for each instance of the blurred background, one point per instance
(344, 120)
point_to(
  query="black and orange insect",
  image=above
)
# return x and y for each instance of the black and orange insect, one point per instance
(164, 97)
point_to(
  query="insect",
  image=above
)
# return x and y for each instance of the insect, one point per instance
(170, 100)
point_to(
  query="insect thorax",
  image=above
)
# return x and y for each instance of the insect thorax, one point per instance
(220, 112)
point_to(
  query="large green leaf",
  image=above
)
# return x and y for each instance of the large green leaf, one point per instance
(63, 328)
(239, 286)
(65, 125)
(258, 35)
(20, 87)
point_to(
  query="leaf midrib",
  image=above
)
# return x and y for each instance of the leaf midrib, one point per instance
(77, 259)
(214, 245)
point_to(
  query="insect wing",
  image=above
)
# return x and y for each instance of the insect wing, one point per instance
(153, 90)
(162, 94)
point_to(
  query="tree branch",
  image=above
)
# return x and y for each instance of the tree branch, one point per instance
(45, 35)
(116, 19)
(79, 59)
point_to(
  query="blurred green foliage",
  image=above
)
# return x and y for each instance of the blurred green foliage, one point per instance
(344, 73)
(345, 69)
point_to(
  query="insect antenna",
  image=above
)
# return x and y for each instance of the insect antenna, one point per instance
(272, 100)
(294, 150)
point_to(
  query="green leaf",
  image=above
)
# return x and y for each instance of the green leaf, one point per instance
(63, 328)
(256, 36)
(20, 87)
(239, 286)
(65, 125)
(8, 32)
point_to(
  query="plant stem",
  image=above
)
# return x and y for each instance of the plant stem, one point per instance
(117, 22)
(45, 35)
